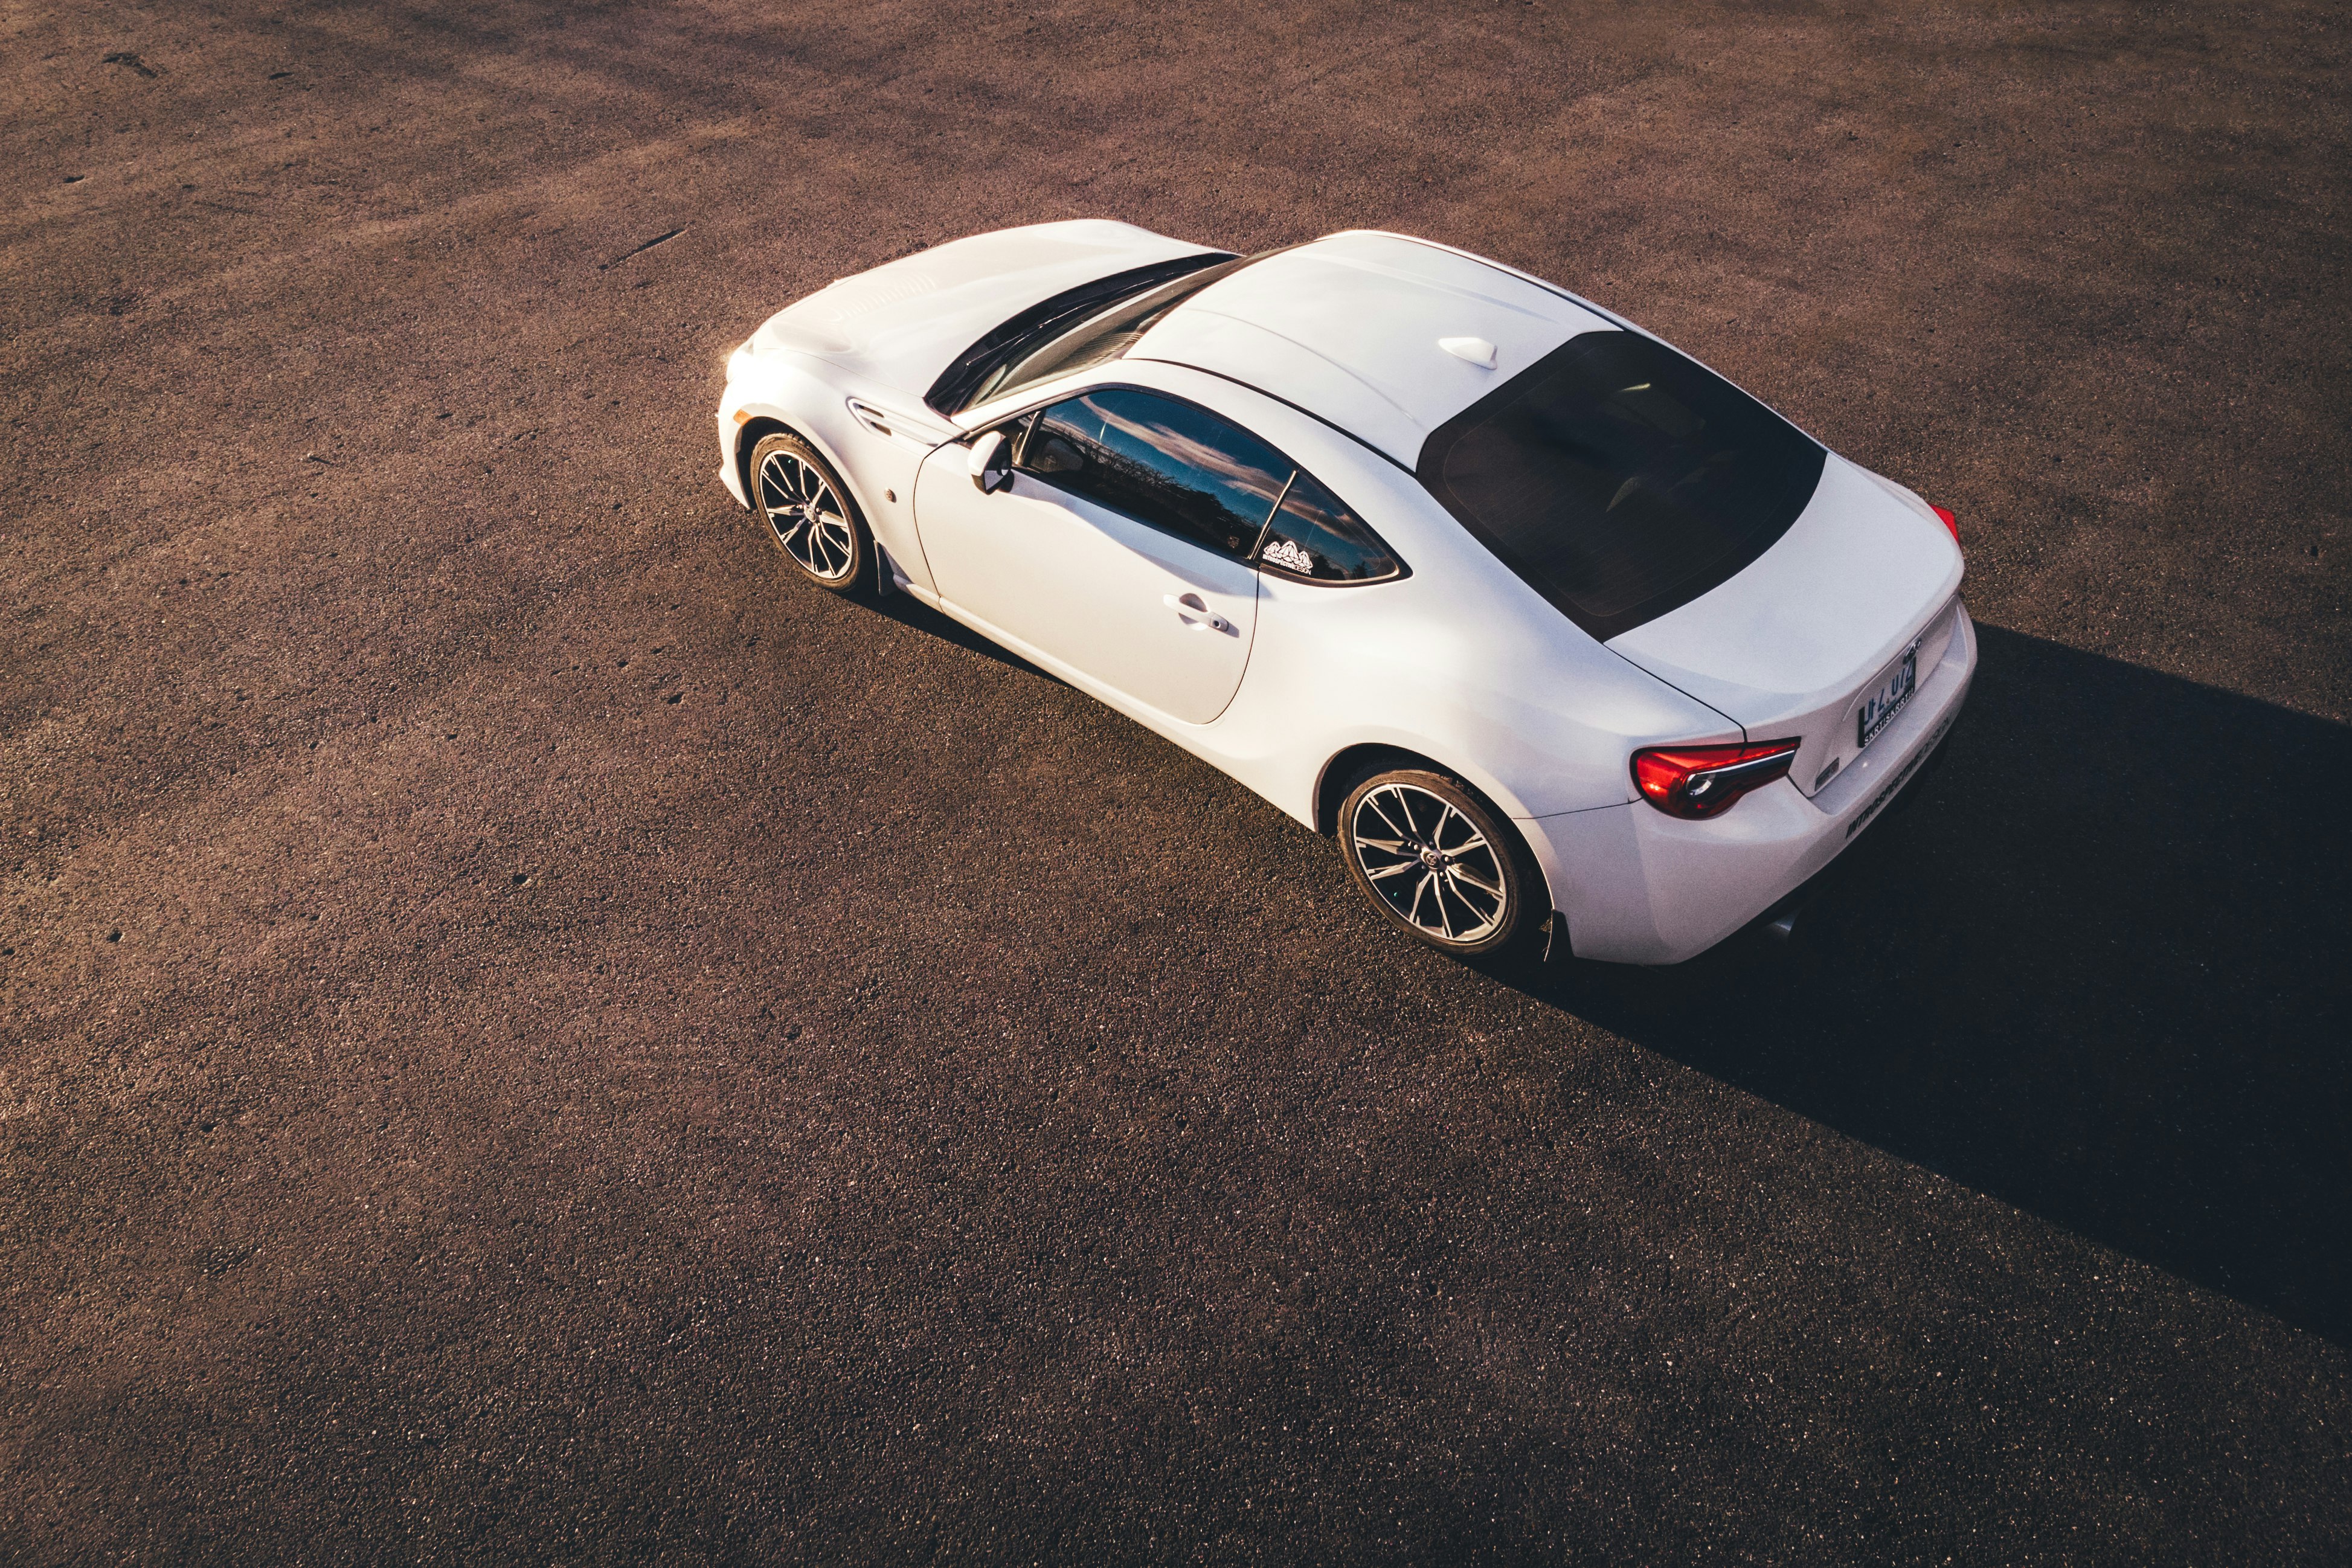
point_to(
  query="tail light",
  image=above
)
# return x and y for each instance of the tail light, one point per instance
(1697, 782)
(1950, 522)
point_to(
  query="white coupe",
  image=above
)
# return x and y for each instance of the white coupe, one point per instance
(1557, 630)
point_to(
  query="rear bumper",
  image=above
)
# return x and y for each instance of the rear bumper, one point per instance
(1639, 887)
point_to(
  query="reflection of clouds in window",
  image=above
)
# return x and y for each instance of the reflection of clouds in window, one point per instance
(1197, 475)
(1318, 508)
(1188, 451)
(1315, 535)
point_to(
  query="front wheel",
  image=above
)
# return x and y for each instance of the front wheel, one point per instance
(809, 515)
(1438, 863)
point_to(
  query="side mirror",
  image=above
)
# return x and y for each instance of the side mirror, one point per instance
(991, 463)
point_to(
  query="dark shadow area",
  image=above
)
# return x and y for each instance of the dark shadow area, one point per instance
(2098, 973)
(909, 611)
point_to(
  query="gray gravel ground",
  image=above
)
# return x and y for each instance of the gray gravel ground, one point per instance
(526, 1034)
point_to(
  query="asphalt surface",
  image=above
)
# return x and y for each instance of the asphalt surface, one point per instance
(526, 1034)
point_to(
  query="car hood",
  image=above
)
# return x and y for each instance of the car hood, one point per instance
(902, 324)
(1792, 646)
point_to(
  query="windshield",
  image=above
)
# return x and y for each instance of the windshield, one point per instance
(985, 363)
(1621, 479)
(1104, 335)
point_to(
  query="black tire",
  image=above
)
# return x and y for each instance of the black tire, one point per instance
(808, 514)
(1440, 864)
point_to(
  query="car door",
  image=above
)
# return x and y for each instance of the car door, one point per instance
(1120, 549)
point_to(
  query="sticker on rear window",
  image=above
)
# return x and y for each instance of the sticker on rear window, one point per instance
(1282, 552)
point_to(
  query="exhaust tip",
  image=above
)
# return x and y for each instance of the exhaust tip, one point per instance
(1782, 929)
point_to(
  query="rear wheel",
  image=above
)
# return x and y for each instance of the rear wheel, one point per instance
(809, 515)
(1438, 863)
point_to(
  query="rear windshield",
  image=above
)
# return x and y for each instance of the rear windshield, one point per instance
(1621, 479)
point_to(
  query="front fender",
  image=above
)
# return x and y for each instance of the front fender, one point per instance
(772, 388)
(808, 397)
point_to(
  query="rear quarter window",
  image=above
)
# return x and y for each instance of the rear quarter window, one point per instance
(1313, 535)
(1622, 479)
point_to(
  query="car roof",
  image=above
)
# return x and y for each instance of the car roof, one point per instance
(1348, 329)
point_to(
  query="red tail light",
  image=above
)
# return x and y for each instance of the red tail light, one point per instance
(1705, 781)
(1950, 522)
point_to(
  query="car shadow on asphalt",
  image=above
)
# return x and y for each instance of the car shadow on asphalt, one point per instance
(2099, 973)
(912, 613)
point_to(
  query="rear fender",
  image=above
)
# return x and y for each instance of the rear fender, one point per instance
(1339, 773)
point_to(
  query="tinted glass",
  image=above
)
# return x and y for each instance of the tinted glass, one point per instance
(954, 391)
(1621, 479)
(1315, 535)
(1169, 464)
(1104, 335)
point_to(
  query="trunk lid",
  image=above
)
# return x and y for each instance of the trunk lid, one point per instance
(903, 322)
(1798, 645)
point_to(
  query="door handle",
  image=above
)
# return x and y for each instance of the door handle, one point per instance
(1194, 612)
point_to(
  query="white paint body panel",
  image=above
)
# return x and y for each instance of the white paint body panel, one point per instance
(1640, 887)
(901, 324)
(1294, 325)
(813, 398)
(1459, 661)
(1781, 646)
(1088, 588)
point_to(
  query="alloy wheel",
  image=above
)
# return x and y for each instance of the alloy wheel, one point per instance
(809, 519)
(1430, 864)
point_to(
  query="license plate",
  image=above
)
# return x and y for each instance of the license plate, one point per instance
(1887, 701)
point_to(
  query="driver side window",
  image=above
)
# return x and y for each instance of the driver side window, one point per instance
(1169, 465)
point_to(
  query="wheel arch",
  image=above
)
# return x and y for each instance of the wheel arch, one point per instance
(1350, 764)
(748, 437)
(778, 396)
